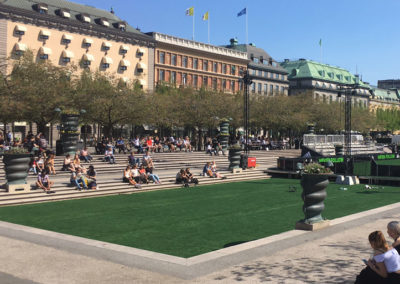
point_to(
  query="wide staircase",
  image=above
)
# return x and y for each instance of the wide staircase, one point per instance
(109, 176)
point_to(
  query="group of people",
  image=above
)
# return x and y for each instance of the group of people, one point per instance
(140, 172)
(384, 264)
(80, 177)
(142, 144)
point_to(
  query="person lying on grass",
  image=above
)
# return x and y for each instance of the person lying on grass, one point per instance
(44, 182)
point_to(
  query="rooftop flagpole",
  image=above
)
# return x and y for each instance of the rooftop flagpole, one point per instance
(190, 12)
(320, 50)
(247, 29)
(241, 13)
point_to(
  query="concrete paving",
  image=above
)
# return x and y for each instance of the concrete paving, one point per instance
(332, 255)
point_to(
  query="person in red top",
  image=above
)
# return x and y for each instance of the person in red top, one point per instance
(149, 143)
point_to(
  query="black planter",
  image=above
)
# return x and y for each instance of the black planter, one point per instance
(234, 157)
(16, 167)
(69, 133)
(339, 150)
(313, 195)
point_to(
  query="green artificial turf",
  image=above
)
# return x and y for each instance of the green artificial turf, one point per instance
(394, 162)
(188, 222)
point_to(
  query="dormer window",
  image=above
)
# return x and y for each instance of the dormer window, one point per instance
(105, 62)
(84, 18)
(124, 49)
(19, 30)
(41, 8)
(124, 64)
(87, 59)
(19, 49)
(87, 42)
(66, 39)
(64, 13)
(67, 55)
(140, 67)
(140, 52)
(120, 25)
(44, 34)
(44, 53)
(106, 45)
(103, 21)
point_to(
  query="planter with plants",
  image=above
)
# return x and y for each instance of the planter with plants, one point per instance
(16, 165)
(314, 180)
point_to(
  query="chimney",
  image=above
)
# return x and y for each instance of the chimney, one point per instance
(112, 11)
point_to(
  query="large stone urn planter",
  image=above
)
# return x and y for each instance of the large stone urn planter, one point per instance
(69, 133)
(224, 135)
(234, 157)
(313, 195)
(16, 167)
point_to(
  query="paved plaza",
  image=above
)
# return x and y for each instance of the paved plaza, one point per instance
(332, 255)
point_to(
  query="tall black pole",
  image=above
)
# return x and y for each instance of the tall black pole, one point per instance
(246, 114)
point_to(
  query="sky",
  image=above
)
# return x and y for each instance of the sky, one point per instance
(358, 35)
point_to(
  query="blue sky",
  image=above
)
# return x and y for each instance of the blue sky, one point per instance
(360, 35)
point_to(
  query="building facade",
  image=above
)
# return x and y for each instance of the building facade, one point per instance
(384, 99)
(186, 63)
(323, 81)
(268, 77)
(69, 33)
(389, 84)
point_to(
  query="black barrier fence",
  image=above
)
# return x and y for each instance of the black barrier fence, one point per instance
(362, 165)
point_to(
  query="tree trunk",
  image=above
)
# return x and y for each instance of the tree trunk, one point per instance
(41, 127)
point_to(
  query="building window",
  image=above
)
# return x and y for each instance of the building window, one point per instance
(87, 42)
(106, 46)
(224, 70)
(233, 69)
(195, 63)
(173, 77)
(266, 74)
(105, 65)
(123, 68)
(283, 77)
(185, 61)
(277, 89)
(205, 65)
(255, 60)
(161, 75)
(214, 83)
(223, 84)
(254, 72)
(184, 79)
(205, 81)
(265, 88)
(276, 76)
(259, 88)
(282, 89)
(44, 56)
(173, 59)
(271, 75)
(253, 87)
(233, 86)
(124, 49)
(195, 80)
(215, 67)
(271, 89)
(161, 58)
(259, 73)
(44, 34)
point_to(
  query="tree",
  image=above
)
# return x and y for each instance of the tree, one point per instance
(37, 88)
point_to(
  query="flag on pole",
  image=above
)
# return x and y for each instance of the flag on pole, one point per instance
(320, 42)
(190, 11)
(241, 13)
(205, 16)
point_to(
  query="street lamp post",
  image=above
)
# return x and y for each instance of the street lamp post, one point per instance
(246, 79)
(349, 90)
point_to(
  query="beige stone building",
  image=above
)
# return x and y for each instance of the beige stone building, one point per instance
(186, 63)
(69, 33)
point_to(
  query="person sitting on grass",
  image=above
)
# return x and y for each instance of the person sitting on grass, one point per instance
(384, 266)
(44, 182)
(181, 177)
(190, 177)
(109, 156)
(393, 230)
(84, 155)
(91, 178)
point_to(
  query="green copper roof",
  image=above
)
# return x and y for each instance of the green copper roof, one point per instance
(74, 8)
(302, 69)
(386, 95)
